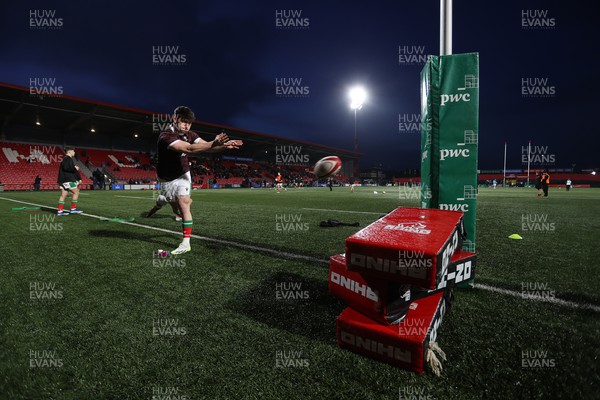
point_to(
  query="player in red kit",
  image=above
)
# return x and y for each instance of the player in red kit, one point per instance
(173, 168)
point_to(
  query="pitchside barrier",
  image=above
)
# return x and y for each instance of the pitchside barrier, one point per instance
(450, 137)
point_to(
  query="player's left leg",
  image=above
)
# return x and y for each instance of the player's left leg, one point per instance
(177, 212)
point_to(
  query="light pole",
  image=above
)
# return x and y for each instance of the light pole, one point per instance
(357, 97)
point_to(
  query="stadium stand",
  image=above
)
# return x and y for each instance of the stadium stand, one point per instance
(21, 163)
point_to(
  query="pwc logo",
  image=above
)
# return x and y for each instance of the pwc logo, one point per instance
(454, 98)
(453, 153)
(455, 207)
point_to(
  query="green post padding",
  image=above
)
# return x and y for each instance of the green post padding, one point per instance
(450, 137)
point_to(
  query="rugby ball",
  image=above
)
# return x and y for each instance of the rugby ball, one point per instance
(327, 166)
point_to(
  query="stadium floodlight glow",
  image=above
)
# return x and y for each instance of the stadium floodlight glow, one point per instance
(358, 95)
(135, 135)
(92, 130)
(37, 120)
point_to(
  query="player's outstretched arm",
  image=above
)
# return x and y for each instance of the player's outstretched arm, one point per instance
(200, 146)
(230, 144)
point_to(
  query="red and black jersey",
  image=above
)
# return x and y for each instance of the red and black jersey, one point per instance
(172, 164)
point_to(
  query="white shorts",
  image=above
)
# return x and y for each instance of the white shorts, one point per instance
(181, 186)
(69, 185)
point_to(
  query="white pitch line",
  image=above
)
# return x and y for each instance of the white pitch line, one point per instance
(551, 300)
(556, 301)
(204, 238)
(347, 211)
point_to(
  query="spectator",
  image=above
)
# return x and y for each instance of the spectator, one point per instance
(36, 183)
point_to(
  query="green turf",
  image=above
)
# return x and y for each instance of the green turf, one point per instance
(224, 298)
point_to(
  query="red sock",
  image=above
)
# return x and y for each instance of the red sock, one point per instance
(73, 204)
(61, 205)
(187, 229)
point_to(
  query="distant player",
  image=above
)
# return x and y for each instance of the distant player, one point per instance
(545, 182)
(494, 182)
(279, 182)
(538, 183)
(173, 167)
(68, 181)
(568, 184)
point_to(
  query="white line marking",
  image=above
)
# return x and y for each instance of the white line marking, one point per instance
(556, 301)
(204, 238)
(347, 211)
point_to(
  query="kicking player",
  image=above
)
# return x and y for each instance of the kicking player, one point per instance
(173, 167)
(68, 181)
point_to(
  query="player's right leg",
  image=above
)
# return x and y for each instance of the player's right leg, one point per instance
(184, 202)
(74, 197)
(61, 202)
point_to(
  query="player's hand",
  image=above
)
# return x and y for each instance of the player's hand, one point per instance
(77, 168)
(221, 139)
(233, 144)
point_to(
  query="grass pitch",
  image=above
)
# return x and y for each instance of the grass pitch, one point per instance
(87, 311)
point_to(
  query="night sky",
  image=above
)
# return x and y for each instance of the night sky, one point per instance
(233, 53)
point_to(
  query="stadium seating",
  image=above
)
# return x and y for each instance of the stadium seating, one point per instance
(126, 166)
(21, 163)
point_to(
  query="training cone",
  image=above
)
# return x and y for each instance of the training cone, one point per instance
(515, 236)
